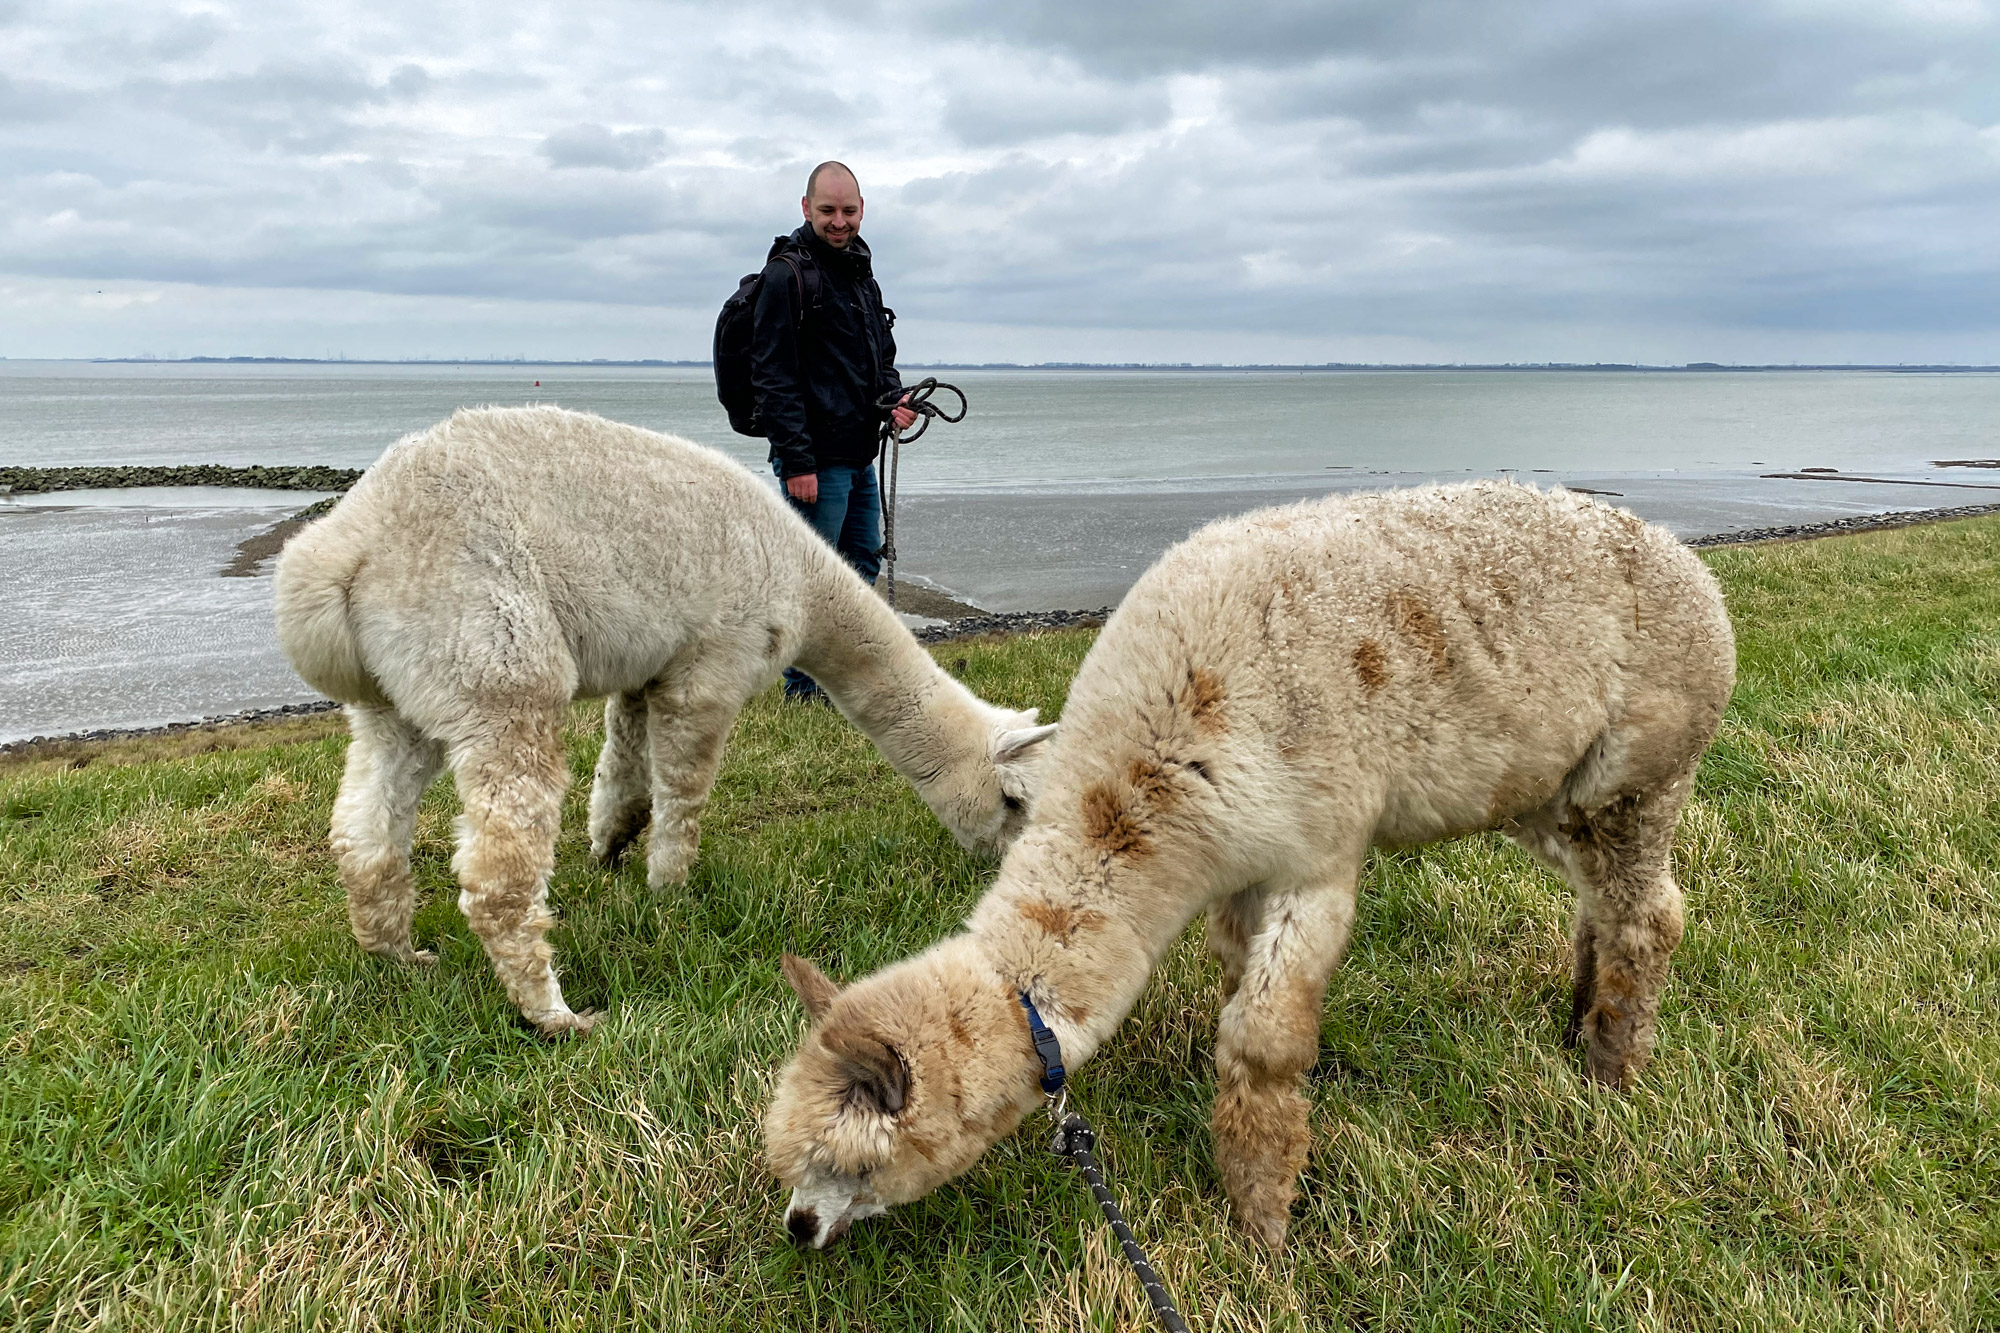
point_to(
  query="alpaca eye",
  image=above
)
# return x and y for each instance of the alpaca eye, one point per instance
(1013, 803)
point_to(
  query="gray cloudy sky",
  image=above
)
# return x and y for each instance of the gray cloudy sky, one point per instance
(1659, 180)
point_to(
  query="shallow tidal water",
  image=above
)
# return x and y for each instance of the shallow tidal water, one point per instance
(1057, 491)
(119, 617)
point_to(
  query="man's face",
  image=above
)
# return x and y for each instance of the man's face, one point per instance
(834, 208)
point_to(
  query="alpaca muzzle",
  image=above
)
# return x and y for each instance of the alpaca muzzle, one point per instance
(817, 1218)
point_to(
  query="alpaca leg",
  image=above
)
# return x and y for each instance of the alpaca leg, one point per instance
(1629, 924)
(1540, 835)
(1269, 1037)
(511, 775)
(1618, 857)
(1231, 923)
(389, 764)
(619, 800)
(1583, 976)
(688, 714)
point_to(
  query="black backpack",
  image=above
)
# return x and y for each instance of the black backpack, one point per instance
(733, 333)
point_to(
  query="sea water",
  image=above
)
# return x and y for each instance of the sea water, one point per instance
(1044, 429)
(1057, 490)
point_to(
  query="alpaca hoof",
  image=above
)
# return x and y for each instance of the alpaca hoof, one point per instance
(403, 953)
(1614, 1072)
(563, 1023)
(1267, 1229)
(1582, 999)
(1615, 1047)
(669, 866)
(609, 845)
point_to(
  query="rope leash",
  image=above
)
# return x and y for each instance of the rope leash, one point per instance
(1076, 1140)
(918, 400)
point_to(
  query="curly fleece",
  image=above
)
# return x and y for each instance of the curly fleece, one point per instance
(1276, 695)
(488, 570)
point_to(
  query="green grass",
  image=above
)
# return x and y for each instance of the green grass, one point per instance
(215, 1112)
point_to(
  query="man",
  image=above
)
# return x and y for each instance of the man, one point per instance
(818, 377)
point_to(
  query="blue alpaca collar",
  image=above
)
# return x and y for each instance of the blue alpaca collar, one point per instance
(1047, 1048)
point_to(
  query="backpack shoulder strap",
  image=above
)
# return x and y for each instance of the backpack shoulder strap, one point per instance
(805, 281)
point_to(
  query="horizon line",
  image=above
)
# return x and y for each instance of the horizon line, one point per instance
(1321, 366)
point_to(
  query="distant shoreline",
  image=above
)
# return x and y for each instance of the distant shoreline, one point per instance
(1327, 367)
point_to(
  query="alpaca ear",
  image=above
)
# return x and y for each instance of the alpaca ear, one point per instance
(877, 1077)
(1013, 744)
(815, 988)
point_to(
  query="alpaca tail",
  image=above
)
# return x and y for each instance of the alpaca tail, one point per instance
(315, 624)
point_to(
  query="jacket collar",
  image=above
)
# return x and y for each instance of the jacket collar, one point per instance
(855, 259)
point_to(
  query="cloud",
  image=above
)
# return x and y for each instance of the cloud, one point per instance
(25, 101)
(596, 146)
(1178, 35)
(993, 104)
(1437, 173)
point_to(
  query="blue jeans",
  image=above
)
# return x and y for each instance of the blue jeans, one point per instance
(848, 517)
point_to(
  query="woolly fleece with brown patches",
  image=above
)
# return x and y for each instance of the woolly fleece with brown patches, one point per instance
(1276, 695)
(488, 570)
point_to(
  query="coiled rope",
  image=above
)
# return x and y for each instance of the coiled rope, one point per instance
(918, 400)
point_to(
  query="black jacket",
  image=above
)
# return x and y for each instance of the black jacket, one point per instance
(817, 383)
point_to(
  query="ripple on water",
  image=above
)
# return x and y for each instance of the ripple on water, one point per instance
(118, 617)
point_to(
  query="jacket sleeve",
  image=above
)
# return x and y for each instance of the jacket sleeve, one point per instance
(892, 380)
(774, 372)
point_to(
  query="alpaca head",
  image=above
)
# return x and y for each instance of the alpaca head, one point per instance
(984, 797)
(904, 1080)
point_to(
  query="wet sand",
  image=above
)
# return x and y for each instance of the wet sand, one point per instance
(136, 619)
(119, 617)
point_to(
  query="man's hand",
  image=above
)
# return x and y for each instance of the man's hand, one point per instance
(805, 487)
(902, 416)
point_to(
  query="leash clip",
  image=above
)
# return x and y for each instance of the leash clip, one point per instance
(1075, 1141)
(1073, 1135)
(1055, 1078)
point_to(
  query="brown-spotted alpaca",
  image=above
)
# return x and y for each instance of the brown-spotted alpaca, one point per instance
(487, 571)
(1276, 695)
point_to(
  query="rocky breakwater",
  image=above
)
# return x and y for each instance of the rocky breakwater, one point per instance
(250, 554)
(1841, 527)
(39, 480)
(42, 480)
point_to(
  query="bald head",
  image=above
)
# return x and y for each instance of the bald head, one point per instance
(831, 168)
(832, 204)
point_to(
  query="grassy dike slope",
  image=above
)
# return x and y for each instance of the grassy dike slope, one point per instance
(214, 1112)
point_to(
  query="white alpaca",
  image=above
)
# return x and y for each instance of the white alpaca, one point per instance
(1278, 694)
(485, 572)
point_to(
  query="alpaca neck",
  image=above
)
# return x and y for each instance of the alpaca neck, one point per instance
(923, 721)
(1084, 949)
